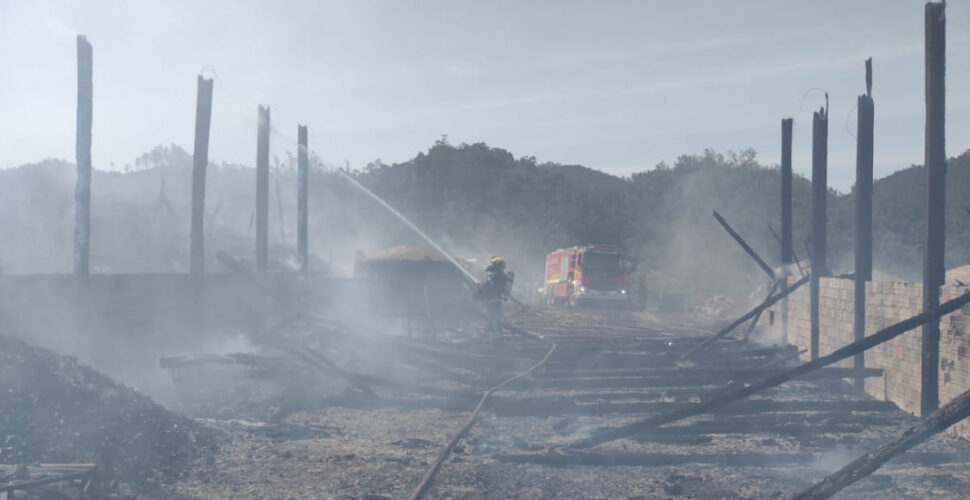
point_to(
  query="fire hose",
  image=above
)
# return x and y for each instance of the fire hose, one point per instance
(429, 477)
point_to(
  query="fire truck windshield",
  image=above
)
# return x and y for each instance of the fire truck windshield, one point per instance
(599, 263)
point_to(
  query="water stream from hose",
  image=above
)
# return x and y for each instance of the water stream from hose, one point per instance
(468, 275)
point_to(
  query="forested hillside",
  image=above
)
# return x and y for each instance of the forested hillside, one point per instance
(477, 201)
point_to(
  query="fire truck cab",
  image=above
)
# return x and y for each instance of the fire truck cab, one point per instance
(586, 274)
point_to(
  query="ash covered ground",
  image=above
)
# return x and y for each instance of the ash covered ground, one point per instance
(55, 410)
(360, 429)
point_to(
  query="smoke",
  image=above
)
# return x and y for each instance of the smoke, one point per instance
(140, 225)
(832, 460)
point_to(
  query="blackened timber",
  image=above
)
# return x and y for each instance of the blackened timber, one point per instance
(794, 256)
(863, 216)
(26, 485)
(747, 248)
(302, 191)
(951, 413)
(820, 131)
(279, 210)
(722, 372)
(750, 314)
(82, 151)
(754, 321)
(615, 458)
(603, 435)
(787, 252)
(262, 189)
(200, 160)
(933, 253)
(682, 378)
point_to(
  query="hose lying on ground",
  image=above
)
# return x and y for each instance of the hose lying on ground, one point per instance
(429, 477)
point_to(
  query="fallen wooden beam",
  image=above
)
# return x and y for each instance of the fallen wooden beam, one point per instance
(587, 459)
(722, 373)
(747, 248)
(33, 483)
(237, 358)
(940, 420)
(603, 435)
(683, 378)
(749, 459)
(549, 408)
(750, 314)
(320, 362)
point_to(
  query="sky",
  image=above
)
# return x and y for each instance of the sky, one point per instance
(616, 86)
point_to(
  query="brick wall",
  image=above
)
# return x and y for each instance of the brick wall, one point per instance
(887, 303)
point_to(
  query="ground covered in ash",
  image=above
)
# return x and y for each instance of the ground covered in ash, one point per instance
(379, 446)
(325, 412)
(53, 409)
(347, 453)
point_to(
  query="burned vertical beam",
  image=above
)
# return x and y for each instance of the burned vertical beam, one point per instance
(262, 189)
(302, 191)
(787, 252)
(863, 215)
(82, 151)
(200, 160)
(933, 253)
(820, 132)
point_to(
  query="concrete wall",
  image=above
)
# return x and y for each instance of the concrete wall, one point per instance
(886, 304)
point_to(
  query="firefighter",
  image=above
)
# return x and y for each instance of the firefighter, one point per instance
(496, 289)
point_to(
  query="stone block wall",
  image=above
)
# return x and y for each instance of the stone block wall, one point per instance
(900, 358)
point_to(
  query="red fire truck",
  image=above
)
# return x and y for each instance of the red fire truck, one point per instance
(586, 274)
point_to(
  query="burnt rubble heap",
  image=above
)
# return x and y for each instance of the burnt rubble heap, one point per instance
(53, 409)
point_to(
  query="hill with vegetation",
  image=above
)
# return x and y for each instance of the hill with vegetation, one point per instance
(477, 201)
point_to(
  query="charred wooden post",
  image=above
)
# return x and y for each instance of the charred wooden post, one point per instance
(754, 321)
(82, 151)
(933, 270)
(794, 256)
(770, 301)
(820, 132)
(606, 434)
(863, 216)
(302, 191)
(787, 252)
(951, 413)
(747, 248)
(279, 210)
(262, 190)
(200, 160)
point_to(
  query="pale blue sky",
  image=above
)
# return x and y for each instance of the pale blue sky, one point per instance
(617, 86)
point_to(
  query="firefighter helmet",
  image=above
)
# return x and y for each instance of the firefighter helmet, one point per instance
(497, 261)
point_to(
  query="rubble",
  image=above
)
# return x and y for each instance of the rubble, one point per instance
(53, 409)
